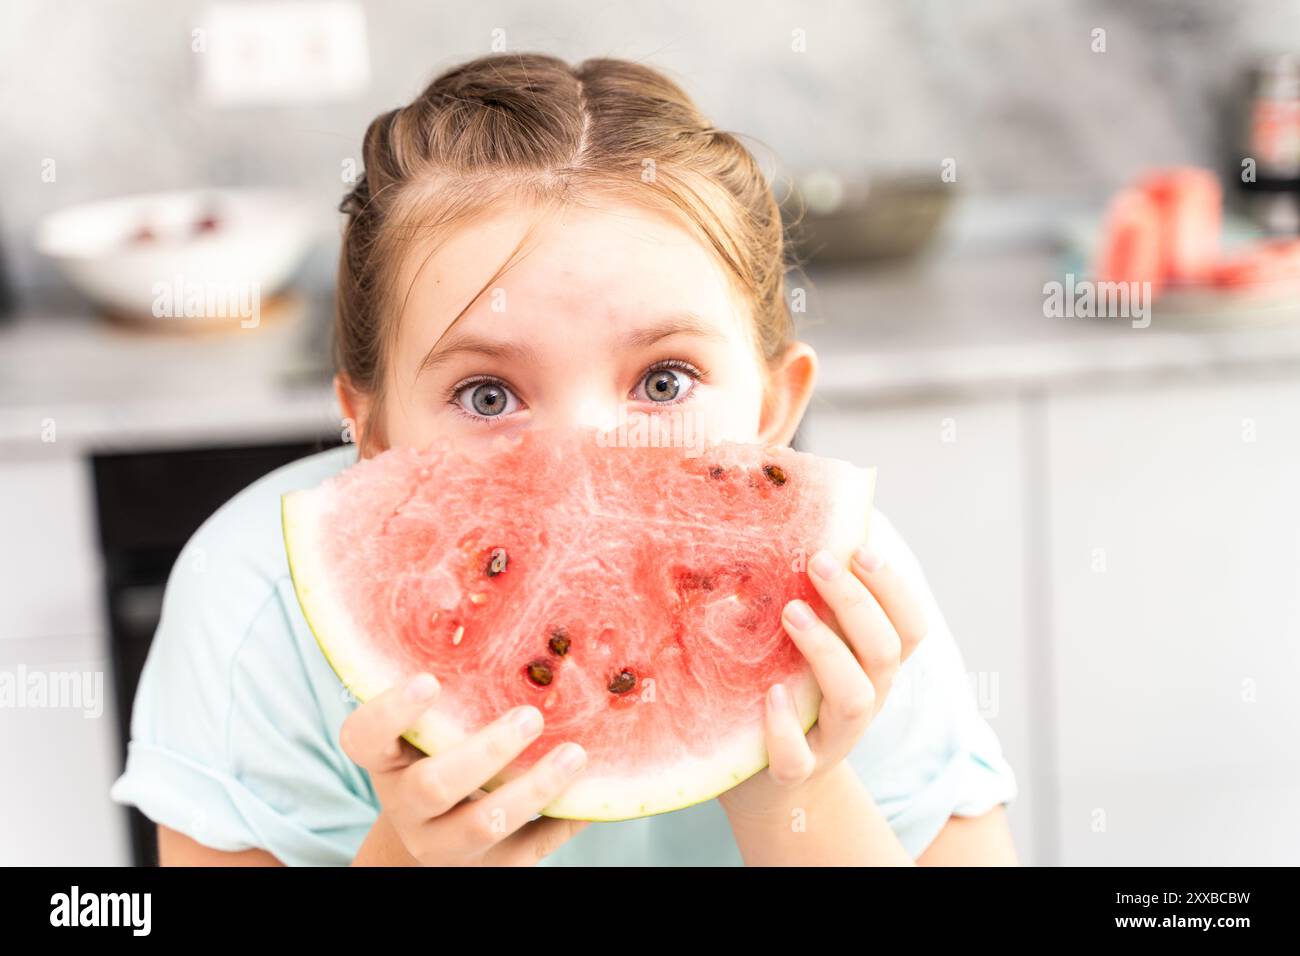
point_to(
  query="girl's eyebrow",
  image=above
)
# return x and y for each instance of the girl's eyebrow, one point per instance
(442, 352)
(681, 323)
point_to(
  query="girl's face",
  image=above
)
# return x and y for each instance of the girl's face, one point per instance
(607, 316)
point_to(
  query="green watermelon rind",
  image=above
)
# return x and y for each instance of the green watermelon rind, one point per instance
(851, 521)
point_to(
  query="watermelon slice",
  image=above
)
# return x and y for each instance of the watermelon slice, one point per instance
(633, 595)
(1130, 245)
(1163, 230)
(1190, 204)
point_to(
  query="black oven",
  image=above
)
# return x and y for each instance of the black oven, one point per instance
(149, 504)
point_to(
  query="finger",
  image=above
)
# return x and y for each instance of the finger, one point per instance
(848, 698)
(867, 628)
(372, 734)
(475, 827)
(535, 841)
(436, 784)
(790, 759)
(894, 596)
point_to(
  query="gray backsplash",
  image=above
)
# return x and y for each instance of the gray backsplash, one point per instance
(1009, 88)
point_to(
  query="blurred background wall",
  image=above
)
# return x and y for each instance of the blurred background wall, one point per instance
(1010, 89)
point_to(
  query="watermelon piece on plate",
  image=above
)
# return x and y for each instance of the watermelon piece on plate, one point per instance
(1165, 229)
(633, 595)
(1189, 201)
(1130, 249)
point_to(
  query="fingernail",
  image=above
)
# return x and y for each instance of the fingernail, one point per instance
(422, 687)
(527, 720)
(825, 566)
(571, 758)
(799, 614)
(867, 559)
(778, 698)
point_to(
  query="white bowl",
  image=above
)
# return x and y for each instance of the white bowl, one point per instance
(172, 255)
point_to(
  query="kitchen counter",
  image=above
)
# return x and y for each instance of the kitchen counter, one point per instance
(105, 387)
(955, 323)
(975, 324)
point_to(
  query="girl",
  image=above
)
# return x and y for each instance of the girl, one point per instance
(539, 245)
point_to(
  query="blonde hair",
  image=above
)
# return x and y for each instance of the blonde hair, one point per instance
(529, 125)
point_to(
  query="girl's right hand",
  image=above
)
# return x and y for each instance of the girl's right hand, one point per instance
(435, 805)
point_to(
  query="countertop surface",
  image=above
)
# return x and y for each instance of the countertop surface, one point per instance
(99, 386)
(975, 324)
(966, 323)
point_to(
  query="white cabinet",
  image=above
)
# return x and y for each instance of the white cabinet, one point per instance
(951, 479)
(58, 762)
(59, 756)
(1127, 563)
(49, 565)
(1174, 530)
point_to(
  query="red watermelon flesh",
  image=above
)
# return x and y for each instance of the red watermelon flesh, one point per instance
(1130, 247)
(1190, 204)
(633, 595)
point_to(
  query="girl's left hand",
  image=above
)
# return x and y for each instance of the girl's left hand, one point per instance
(882, 624)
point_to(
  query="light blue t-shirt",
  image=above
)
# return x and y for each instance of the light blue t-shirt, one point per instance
(234, 736)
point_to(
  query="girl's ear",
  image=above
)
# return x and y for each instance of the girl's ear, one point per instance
(790, 387)
(355, 406)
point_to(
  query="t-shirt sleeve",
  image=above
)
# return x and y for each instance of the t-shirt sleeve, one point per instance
(234, 726)
(929, 754)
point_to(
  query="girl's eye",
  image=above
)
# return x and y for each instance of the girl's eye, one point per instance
(666, 384)
(486, 399)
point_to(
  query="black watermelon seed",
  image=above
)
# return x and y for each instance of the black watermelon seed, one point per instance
(694, 581)
(559, 642)
(775, 474)
(717, 471)
(622, 682)
(497, 562)
(539, 672)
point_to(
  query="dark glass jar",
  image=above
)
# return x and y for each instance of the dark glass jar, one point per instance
(1272, 143)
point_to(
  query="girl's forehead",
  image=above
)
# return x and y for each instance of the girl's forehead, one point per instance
(574, 271)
